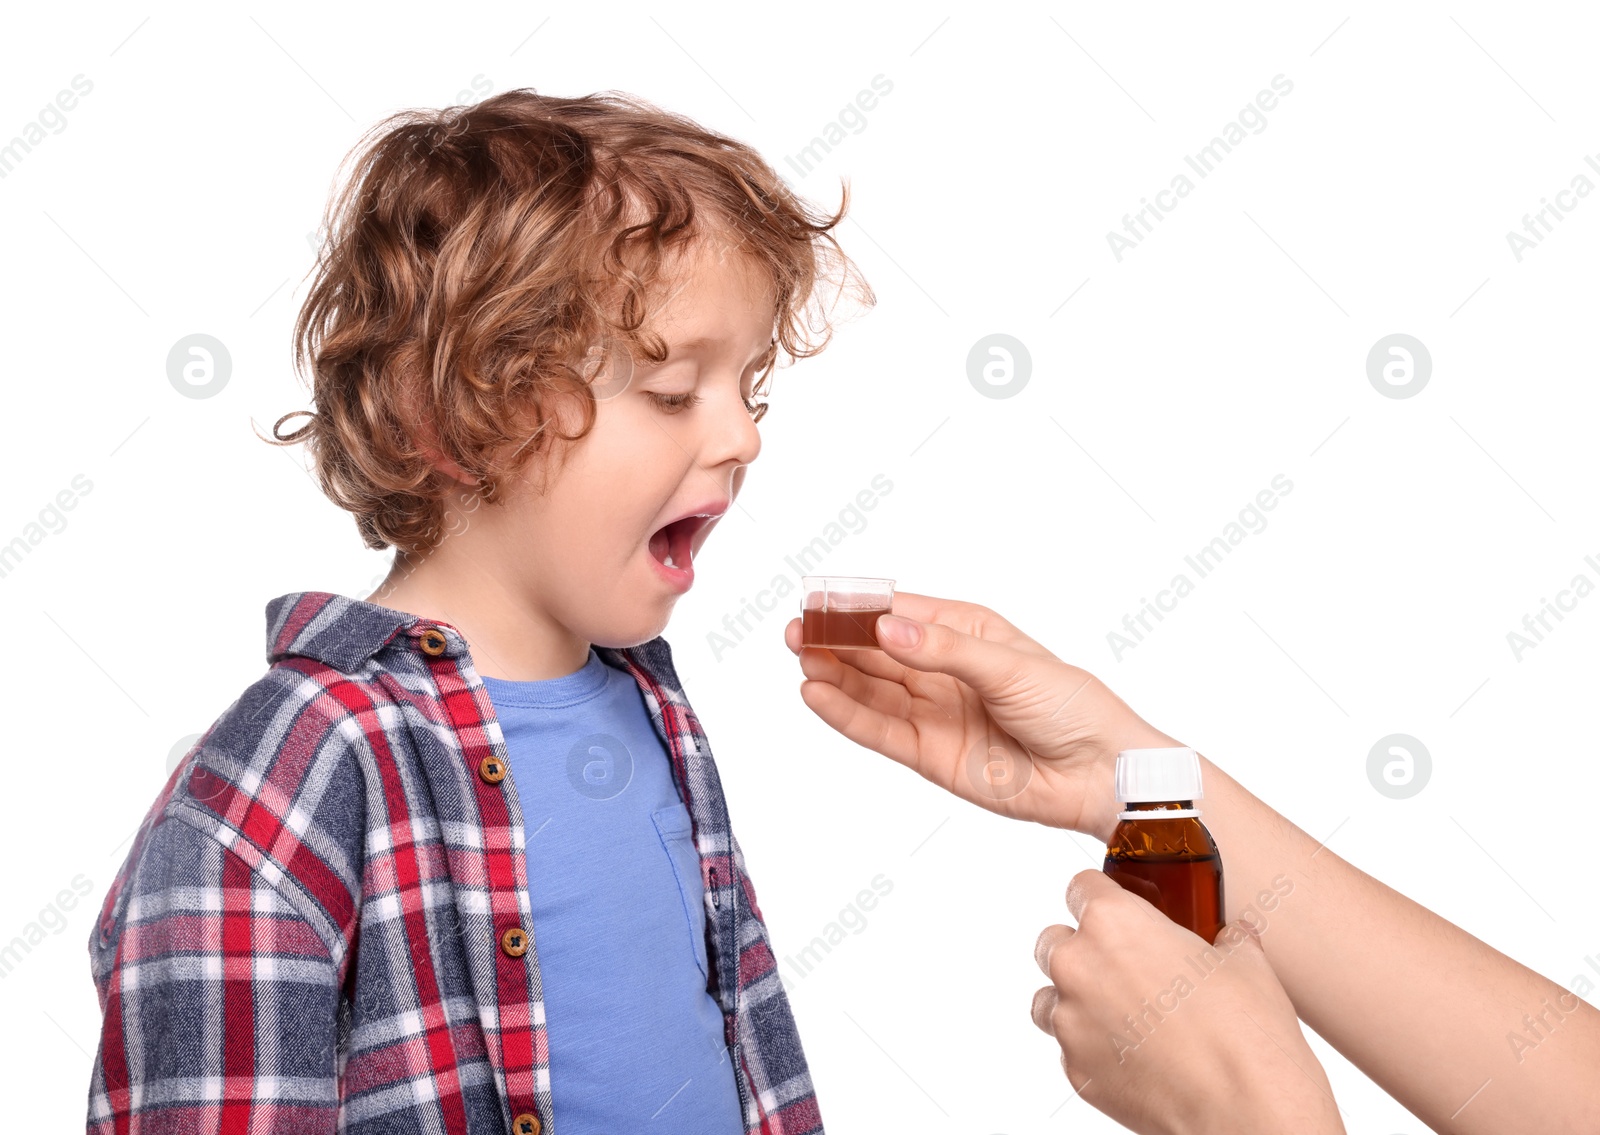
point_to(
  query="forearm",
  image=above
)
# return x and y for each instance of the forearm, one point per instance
(1426, 1010)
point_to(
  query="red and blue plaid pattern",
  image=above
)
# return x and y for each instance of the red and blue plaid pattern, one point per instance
(307, 933)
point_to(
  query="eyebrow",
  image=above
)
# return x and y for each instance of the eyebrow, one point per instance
(702, 341)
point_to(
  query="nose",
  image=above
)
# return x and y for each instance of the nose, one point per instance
(735, 435)
(734, 439)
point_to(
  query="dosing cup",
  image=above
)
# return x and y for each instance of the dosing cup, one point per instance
(840, 612)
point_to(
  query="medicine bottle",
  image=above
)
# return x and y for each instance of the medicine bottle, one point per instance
(1160, 850)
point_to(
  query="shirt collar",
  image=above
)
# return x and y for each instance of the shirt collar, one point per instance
(343, 632)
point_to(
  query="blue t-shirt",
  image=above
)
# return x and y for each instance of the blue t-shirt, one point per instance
(636, 1041)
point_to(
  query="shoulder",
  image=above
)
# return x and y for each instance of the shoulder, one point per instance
(291, 730)
(279, 782)
(281, 776)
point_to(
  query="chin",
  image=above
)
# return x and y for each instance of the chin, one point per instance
(621, 637)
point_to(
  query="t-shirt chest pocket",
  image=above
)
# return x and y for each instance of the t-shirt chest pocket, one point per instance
(677, 839)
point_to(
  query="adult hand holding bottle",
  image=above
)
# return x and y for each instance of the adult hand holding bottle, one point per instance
(979, 708)
(1442, 1021)
(1167, 1037)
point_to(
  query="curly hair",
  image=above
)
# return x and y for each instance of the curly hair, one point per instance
(476, 259)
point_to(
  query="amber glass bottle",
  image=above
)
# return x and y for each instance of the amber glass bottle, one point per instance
(1160, 850)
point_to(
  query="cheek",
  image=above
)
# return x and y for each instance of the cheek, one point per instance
(621, 477)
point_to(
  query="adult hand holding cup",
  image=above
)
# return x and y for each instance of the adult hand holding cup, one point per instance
(958, 694)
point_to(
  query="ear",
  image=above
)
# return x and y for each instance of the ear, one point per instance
(427, 442)
(446, 466)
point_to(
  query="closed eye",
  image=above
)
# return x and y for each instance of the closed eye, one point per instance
(673, 403)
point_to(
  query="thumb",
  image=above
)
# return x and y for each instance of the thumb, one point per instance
(988, 667)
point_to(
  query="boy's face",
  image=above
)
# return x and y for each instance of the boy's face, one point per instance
(581, 554)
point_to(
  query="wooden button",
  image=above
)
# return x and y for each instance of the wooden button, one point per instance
(491, 769)
(526, 1124)
(432, 641)
(514, 942)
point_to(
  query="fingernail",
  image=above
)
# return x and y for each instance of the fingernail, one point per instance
(898, 631)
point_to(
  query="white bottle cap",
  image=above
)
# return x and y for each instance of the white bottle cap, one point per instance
(1149, 775)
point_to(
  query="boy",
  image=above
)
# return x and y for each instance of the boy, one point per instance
(460, 861)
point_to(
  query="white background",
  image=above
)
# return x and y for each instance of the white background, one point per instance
(1229, 347)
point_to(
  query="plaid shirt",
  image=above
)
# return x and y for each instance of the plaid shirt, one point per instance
(323, 923)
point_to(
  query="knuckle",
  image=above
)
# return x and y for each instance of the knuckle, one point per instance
(1120, 918)
(1063, 1025)
(1042, 1006)
(1108, 922)
(1062, 968)
(938, 639)
(978, 616)
(878, 742)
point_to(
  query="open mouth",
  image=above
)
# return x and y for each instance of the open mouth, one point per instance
(670, 544)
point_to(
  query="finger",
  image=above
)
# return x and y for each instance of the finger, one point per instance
(826, 662)
(968, 618)
(889, 734)
(1049, 938)
(1043, 1008)
(1087, 886)
(994, 669)
(883, 694)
